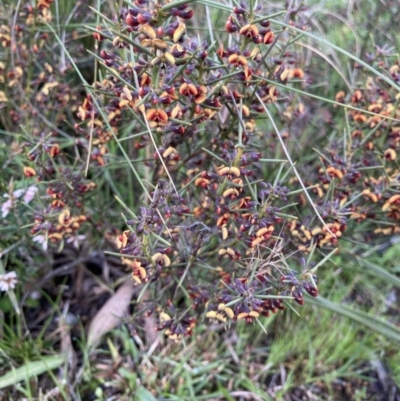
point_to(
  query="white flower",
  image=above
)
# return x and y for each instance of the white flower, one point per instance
(75, 239)
(41, 239)
(8, 281)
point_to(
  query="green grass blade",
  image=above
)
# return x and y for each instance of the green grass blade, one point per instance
(143, 394)
(340, 50)
(31, 369)
(379, 272)
(381, 327)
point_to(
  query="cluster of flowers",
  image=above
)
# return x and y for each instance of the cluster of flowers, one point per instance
(362, 181)
(50, 141)
(201, 103)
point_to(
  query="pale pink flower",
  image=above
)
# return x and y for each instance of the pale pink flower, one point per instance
(8, 204)
(41, 239)
(75, 240)
(5, 208)
(30, 193)
(8, 281)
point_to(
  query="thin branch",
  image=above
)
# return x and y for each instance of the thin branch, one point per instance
(293, 166)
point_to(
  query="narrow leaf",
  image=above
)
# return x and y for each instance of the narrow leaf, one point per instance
(381, 327)
(143, 394)
(31, 369)
(379, 272)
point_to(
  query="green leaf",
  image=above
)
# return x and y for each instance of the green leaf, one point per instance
(379, 272)
(144, 395)
(380, 326)
(31, 369)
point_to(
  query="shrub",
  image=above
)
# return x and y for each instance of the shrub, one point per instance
(197, 134)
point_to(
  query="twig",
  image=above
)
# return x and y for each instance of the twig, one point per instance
(293, 165)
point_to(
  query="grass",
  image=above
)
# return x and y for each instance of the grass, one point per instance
(335, 347)
(318, 350)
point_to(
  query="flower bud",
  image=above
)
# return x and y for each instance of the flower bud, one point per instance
(131, 20)
(29, 172)
(143, 18)
(186, 14)
(230, 26)
(97, 35)
(268, 38)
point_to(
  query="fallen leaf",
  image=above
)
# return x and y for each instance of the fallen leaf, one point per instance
(150, 323)
(67, 348)
(109, 316)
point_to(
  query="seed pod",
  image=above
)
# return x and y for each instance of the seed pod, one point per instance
(169, 59)
(230, 252)
(164, 317)
(392, 201)
(224, 231)
(64, 218)
(222, 252)
(232, 193)
(159, 44)
(374, 197)
(148, 31)
(229, 312)
(127, 93)
(316, 231)
(265, 231)
(118, 42)
(179, 32)
(212, 314)
(156, 61)
(169, 152)
(334, 172)
(229, 170)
